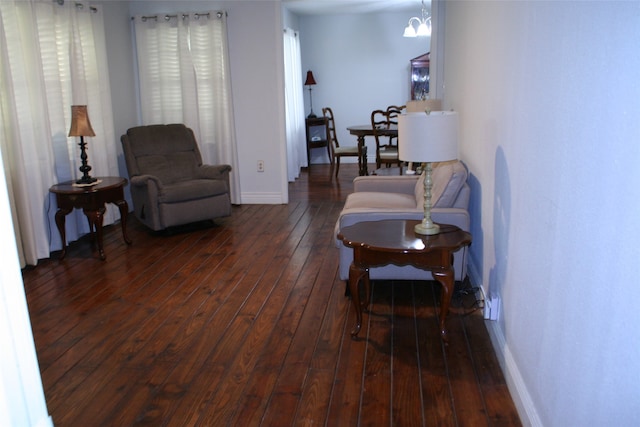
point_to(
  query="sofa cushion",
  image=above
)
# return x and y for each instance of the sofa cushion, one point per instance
(448, 178)
(377, 201)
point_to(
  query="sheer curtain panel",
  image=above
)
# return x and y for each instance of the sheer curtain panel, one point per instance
(52, 56)
(294, 105)
(183, 67)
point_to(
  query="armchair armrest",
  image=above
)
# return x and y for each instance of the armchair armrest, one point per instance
(144, 180)
(404, 184)
(213, 171)
(145, 190)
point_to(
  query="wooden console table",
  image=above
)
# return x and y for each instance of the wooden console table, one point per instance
(378, 243)
(91, 200)
(316, 131)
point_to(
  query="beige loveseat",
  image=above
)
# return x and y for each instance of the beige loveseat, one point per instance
(377, 198)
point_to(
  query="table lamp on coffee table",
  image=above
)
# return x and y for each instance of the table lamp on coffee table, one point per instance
(428, 138)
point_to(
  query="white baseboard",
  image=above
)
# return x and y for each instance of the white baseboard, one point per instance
(262, 199)
(517, 387)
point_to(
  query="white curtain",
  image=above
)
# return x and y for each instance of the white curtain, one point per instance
(294, 106)
(183, 67)
(52, 56)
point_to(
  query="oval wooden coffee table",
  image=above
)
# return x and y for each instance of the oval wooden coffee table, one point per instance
(378, 243)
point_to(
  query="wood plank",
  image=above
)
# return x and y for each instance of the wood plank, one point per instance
(376, 398)
(465, 392)
(434, 378)
(501, 410)
(318, 388)
(285, 399)
(406, 404)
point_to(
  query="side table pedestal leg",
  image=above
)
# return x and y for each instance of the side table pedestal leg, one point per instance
(355, 275)
(123, 206)
(95, 221)
(60, 220)
(445, 278)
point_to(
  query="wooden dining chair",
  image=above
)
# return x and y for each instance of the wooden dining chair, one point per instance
(386, 142)
(337, 151)
(393, 112)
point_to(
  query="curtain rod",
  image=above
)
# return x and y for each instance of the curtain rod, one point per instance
(78, 5)
(219, 14)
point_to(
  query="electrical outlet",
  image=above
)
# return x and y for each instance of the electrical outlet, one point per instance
(260, 165)
(492, 307)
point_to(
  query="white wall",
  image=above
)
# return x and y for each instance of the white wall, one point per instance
(361, 63)
(289, 19)
(549, 101)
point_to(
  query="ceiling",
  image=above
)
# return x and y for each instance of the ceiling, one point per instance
(327, 7)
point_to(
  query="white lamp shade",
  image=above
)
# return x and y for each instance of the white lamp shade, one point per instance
(428, 137)
(424, 29)
(409, 31)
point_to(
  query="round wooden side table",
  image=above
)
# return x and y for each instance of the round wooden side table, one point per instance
(91, 199)
(394, 241)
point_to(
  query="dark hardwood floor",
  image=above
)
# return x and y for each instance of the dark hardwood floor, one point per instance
(245, 323)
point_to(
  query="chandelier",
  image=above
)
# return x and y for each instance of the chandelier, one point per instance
(424, 25)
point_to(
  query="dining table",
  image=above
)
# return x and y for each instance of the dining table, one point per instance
(362, 131)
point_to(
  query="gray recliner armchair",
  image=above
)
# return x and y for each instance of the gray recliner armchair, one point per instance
(169, 184)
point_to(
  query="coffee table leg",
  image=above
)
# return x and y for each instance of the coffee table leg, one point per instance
(445, 278)
(355, 274)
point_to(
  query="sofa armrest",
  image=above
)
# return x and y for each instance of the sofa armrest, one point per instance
(405, 184)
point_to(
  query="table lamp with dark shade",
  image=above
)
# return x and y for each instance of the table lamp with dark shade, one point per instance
(81, 126)
(310, 81)
(428, 138)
